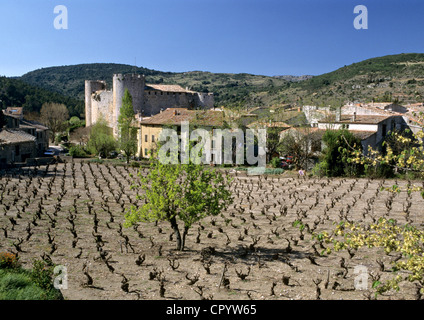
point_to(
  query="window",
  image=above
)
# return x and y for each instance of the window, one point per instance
(153, 138)
(384, 130)
(145, 138)
(17, 150)
(146, 152)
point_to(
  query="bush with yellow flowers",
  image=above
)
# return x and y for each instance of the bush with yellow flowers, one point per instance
(404, 153)
(387, 234)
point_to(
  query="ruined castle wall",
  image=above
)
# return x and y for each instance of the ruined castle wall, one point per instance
(204, 100)
(102, 106)
(90, 88)
(135, 85)
(100, 102)
(157, 100)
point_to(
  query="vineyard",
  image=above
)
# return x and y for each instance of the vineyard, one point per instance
(261, 247)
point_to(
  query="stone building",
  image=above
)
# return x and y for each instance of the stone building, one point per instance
(372, 129)
(148, 99)
(16, 146)
(21, 139)
(40, 132)
(151, 128)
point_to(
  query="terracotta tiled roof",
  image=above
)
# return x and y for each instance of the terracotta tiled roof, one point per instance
(174, 116)
(360, 119)
(10, 136)
(273, 124)
(167, 88)
(33, 124)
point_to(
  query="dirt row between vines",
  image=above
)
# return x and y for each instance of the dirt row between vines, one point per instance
(73, 214)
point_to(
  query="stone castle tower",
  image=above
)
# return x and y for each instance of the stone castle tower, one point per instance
(148, 99)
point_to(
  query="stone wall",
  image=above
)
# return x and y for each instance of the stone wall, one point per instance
(155, 101)
(135, 84)
(102, 106)
(90, 88)
(18, 152)
(204, 100)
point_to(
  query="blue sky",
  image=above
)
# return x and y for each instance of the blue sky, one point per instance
(268, 37)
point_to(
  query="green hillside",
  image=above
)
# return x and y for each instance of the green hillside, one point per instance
(17, 93)
(229, 89)
(389, 78)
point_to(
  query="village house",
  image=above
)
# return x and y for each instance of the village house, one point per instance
(16, 112)
(16, 146)
(371, 129)
(40, 132)
(151, 128)
(21, 139)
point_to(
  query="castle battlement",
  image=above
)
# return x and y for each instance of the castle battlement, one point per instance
(148, 99)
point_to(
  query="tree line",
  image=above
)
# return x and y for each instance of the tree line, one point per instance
(16, 93)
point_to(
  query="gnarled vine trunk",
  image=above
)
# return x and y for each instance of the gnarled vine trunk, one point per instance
(174, 226)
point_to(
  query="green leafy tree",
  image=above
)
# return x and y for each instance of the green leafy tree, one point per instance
(127, 132)
(185, 192)
(336, 159)
(101, 140)
(273, 142)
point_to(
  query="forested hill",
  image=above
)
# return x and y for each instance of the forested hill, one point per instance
(69, 80)
(17, 93)
(389, 78)
(229, 89)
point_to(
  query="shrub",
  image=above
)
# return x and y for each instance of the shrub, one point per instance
(42, 274)
(99, 161)
(135, 164)
(405, 240)
(379, 171)
(18, 286)
(335, 158)
(8, 260)
(319, 169)
(276, 162)
(78, 152)
(22, 284)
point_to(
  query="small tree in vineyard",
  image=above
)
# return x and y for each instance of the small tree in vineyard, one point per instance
(101, 140)
(185, 192)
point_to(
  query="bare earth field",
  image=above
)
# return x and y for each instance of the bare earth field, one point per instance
(73, 213)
